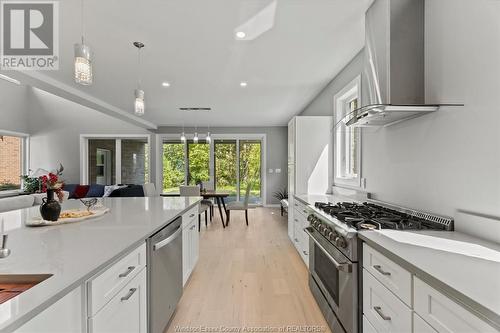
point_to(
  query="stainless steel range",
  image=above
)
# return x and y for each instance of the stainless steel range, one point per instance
(334, 249)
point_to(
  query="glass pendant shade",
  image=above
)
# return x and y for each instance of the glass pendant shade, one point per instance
(139, 102)
(83, 65)
(208, 138)
(195, 138)
(183, 137)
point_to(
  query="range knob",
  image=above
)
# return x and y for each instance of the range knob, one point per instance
(341, 242)
(311, 218)
(327, 230)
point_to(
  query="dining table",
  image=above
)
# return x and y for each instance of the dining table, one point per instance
(219, 197)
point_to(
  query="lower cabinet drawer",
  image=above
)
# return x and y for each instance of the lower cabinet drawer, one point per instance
(368, 327)
(383, 309)
(126, 312)
(105, 285)
(443, 314)
(420, 326)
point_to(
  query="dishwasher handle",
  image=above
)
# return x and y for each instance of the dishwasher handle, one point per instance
(167, 240)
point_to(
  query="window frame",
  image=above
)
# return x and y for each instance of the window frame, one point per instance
(341, 101)
(25, 155)
(84, 158)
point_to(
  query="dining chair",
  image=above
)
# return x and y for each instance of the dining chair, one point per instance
(209, 186)
(194, 191)
(238, 205)
(149, 190)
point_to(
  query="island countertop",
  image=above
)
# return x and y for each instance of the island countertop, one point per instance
(72, 253)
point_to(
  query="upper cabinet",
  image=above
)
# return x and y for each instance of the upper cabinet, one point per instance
(309, 155)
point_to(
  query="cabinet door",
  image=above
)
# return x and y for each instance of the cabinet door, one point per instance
(186, 249)
(64, 316)
(291, 141)
(126, 312)
(420, 326)
(443, 314)
(291, 224)
(194, 245)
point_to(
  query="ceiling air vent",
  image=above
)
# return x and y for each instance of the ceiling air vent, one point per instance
(195, 109)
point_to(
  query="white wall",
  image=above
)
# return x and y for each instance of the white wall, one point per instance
(55, 125)
(451, 159)
(13, 107)
(276, 151)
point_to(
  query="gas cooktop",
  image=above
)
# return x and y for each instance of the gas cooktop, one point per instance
(372, 216)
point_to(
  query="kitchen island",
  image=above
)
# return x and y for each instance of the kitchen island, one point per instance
(74, 253)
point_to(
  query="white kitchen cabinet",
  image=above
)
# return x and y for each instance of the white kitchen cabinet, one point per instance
(309, 155)
(111, 280)
(301, 239)
(444, 314)
(126, 311)
(394, 277)
(190, 245)
(382, 308)
(64, 316)
(420, 326)
(367, 326)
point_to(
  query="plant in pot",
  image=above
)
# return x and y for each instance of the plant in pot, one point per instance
(281, 194)
(50, 209)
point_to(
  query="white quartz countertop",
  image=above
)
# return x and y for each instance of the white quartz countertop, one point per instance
(75, 252)
(310, 199)
(461, 266)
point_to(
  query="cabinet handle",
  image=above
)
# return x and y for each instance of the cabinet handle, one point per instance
(129, 294)
(194, 226)
(296, 205)
(378, 310)
(379, 269)
(192, 215)
(296, 220)
(127, 272)
(296, 240)
(305, 253)
(305, 211)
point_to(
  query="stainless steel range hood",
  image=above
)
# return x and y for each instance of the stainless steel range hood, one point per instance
(394, 65)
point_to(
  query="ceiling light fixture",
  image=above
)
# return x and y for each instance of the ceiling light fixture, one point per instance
(166, 84)
(243, 84)
(139, 106)
(208, 139)
(183, 135)
(240, 34)
(83, 61)
(195, 138)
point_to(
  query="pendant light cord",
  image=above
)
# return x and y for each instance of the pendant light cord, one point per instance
(139, 68)
(81, 4)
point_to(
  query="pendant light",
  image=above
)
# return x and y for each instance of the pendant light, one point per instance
(195, 138)
(183, 135)
(208, 139)
(83, 61)
(139, 107)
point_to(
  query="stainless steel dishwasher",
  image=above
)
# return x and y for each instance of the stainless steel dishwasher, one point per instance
(164, 275)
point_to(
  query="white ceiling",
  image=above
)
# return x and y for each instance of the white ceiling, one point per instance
(191, 44)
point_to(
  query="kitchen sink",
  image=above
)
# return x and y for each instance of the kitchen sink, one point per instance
(12, 285)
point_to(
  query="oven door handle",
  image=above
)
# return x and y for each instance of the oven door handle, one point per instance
(344, 267)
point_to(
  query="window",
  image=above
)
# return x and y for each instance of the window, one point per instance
(114, 160)
(174, 162)
(11, 161)
(347, 140)
(228, 162)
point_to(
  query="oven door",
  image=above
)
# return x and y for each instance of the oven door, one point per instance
(336, 276)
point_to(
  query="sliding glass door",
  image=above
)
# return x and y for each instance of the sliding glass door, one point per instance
(250, 170)
(226, 166)
(198, 162)
(174, 166)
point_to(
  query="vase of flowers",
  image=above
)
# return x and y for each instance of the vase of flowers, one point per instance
(50, 209)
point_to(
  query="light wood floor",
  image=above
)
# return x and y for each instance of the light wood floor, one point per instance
(248, 276)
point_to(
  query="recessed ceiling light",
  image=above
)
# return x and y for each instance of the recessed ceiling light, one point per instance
(243, 84)
(166, 84)
(241, 34)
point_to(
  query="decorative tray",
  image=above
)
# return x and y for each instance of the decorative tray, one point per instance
(68, 216)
